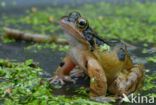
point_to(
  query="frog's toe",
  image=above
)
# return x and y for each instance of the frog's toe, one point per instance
(61, 80)
(56, 80)
(69, 79)
(77, 73)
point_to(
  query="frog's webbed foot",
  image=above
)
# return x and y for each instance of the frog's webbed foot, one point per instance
(60, 80)
(128, 83)
(103, 99)
(77, 72)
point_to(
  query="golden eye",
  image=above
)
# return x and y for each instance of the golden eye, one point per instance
(82, 23)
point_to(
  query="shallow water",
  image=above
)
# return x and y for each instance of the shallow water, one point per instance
(17, 51)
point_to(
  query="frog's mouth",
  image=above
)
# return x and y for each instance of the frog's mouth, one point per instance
(71, 29)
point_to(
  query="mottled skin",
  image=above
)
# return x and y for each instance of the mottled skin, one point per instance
(109, 70)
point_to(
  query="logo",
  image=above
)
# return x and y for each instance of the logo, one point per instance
(137, 99)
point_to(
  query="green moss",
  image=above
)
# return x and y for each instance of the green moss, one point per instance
(21, 84)
(82, 91)
(150, 85)
(7, 40)
(152, 59)
(52, 46)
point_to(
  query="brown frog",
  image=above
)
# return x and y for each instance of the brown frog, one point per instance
(109, 67)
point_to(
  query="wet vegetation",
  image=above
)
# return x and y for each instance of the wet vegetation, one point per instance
(22, 82)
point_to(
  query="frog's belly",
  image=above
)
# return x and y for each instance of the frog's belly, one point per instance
(78, 57)
(111, 65)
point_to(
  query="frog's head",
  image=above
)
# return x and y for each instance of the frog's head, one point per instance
(78, 27)
(75, 25)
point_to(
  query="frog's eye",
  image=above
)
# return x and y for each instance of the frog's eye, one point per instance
(82, 23)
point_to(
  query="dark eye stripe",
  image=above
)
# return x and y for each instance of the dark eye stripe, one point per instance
(90, 35)
(99, 42)
(73, 16)
(121, 54)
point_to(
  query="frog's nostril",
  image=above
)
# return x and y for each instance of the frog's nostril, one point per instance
(64, 19)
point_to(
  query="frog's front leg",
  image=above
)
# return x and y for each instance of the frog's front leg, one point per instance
(98, 81)
(62, 72)
(127, 83)
(77, 72)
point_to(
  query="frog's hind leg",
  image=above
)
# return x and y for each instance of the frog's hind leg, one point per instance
(98, 81)
(77, 72)
(127, 82)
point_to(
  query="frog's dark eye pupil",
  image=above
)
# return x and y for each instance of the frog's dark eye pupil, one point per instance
(82, 23)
